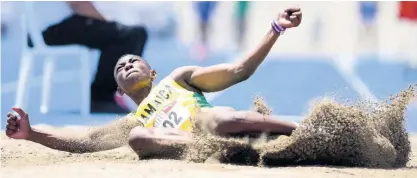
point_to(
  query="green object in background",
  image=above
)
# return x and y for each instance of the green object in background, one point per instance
(242, 8)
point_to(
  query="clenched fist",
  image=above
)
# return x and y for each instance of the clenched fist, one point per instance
(18, 128)
(291, 17)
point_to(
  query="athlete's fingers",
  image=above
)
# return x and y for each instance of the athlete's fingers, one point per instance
(299, 16)
(19, 111)
(294, 22)
(296, 13)
(9, 132)
(11, 116)
(11, 127)
(292, 9)
(283, 15)
(11, 121)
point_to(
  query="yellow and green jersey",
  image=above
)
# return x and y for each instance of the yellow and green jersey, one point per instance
(170, 105)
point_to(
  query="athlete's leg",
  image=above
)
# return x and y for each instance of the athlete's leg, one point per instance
(205, 10)
(158, 142)
(225, 121)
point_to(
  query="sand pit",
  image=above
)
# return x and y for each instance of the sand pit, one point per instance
(26, 159)
(363, 135)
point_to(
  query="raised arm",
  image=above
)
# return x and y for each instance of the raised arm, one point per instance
(102, 138)
(219, 77)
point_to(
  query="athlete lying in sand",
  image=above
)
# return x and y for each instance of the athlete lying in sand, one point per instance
(165, 110)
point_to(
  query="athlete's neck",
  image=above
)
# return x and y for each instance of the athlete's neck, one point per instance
(139, 95)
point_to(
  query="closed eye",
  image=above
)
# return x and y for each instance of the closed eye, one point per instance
(132, 60)
(121, 65)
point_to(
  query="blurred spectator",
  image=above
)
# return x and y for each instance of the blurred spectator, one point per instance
(316, 30)
(368, 11)
(80, 22)
(3, 29)
(241, 18)
(6, 17)
(368, 37)
(204, 10)
(408, 15)
(408, 10)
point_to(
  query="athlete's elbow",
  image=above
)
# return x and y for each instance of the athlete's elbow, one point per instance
(245, 76)
(242, 73)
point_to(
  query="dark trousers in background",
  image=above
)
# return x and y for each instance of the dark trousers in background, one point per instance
(111, 38)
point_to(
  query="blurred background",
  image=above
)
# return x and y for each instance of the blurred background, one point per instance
(348, 50)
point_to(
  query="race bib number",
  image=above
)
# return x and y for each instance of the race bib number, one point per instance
(173, 120)
(173, 116)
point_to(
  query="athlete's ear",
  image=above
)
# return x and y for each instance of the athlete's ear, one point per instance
(120, 91)
(153, 75)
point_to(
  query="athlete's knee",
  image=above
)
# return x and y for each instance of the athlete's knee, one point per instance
(140, 139)
(232, 122)
(215, 120)
(229, 122)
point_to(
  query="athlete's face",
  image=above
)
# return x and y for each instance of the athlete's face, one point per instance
(132, 73)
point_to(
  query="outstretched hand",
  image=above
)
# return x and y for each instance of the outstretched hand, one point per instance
(18, 128)
(291, 17)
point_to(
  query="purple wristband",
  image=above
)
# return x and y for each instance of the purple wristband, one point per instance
(278, 29)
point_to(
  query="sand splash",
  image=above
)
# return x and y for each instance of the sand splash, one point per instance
(363, 134)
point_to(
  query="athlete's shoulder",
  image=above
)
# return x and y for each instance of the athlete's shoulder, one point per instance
(166, 80)
(183, 72)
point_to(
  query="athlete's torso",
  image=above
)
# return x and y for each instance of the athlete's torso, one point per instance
(170, 105)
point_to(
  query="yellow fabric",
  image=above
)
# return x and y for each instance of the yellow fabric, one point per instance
(169, 105)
